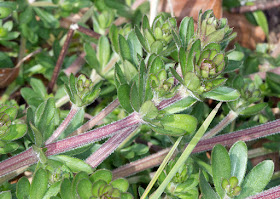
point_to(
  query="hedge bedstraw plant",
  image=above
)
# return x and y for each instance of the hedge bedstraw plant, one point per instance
(160, 73)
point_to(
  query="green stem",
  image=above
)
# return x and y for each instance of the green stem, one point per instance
(186, 152)
(160, 169)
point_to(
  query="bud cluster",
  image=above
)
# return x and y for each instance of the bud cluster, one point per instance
(231, 187)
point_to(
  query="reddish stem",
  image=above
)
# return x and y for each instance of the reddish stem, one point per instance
(60, 59)
(109, 147)
(272, 193)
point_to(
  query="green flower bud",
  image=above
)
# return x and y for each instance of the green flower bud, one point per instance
(233, 181)
(210, 64)
(81, 90)
(210, 29)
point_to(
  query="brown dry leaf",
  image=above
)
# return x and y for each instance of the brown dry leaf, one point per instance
(191, 8)
(248, 35)
(7, 76)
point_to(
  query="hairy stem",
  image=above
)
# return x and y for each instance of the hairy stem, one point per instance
(109, 147)
(272, 193)
(63, 125)
(60, 59)
(100, 116)
(226, 121)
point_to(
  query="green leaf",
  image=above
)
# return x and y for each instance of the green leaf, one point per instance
(53, 190)
(194, 51)
(180, 105)
(129, 70)
(91, 57)
(65, 189)
(84, 189)
(103, 51)
(177, 125)
(238, 154)
(183, 60)
(148, 110)
(124, 49)
(134, 97)
(176, 75)
(5, 61)
(39, 88)
(48, 19)
(134, 46)
(38, 137)
(221, 167)
(124, 97)
(101, 174)
(206, 189)
(142, 40)
(186, 30)
(114, 35)
(81, 175)
(76, 165)
(40, 154)
(257, 179)
(9, 147)
(39, 184)
(119, 76)
(156, 65)
(222, 93)
(253, 110)
(121, 184)
(5, 195)
(262, 21)
(23, 188)
(16, 131)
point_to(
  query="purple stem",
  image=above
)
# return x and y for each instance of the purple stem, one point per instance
(272, 193)
(28, 157)
(165, 103)
(63, 125)
(245, 135)
(109, 147)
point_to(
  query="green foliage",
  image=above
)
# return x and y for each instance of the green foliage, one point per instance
(229, 173)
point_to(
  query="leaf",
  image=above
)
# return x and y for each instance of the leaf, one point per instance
(232, 65)
(238, 154)
(76, 165)
(5, 195)
(16, 131)
(48, 19)
(180, 105)
(222, 93)
(194, 51)
(53, 190)
(9, 147)
(253, 110)
(84, 189)
(101, 174)
(38, 137)
(221, 167)
(91, 57)
(177, 125)
(142, 40)
(103, 51)
(156, 65)
(134, 97)
(114, 35)
(121, 184)
(129, 70)
(119, 76)
(206, 189)
(183, 60)
(124, 49)
(262, 21)
(40, 154)
(39, 88)
(124, 97)
(257, 179)
(23, 188)
(186, 30)
(148, 110)
(65, 189)
(134, 46)
(81, 175)
(39, 184)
